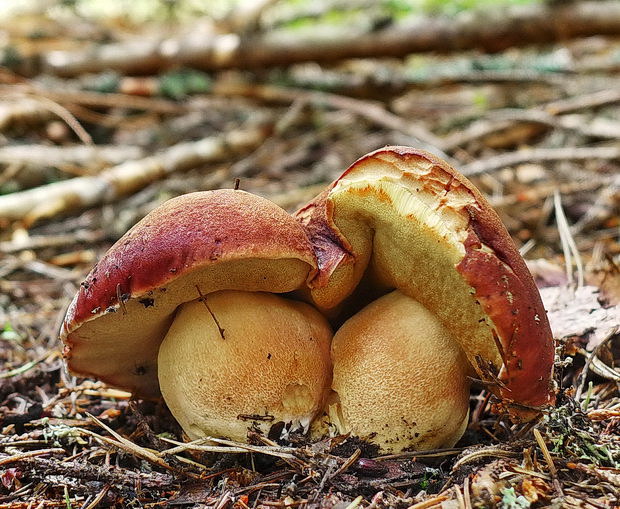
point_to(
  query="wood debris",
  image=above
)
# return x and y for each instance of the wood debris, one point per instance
(101, 121)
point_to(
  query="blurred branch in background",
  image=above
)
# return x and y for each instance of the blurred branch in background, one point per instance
(125, 178)
(495, 29)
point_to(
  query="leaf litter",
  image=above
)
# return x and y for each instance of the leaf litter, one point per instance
(69, 442)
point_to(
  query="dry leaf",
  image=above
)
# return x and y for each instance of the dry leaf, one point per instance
(578, 312)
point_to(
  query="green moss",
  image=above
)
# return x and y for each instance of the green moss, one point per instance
(180, 84)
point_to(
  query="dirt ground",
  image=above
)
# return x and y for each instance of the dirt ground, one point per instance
(537, 129)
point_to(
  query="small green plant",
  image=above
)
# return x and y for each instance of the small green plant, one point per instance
(429, 477)
(180, 84)
(9, 334)
(572, 435)
(510, 500)
(67, 499)
(62, 433)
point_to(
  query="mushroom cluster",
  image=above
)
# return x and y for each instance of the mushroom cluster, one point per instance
(227, 306)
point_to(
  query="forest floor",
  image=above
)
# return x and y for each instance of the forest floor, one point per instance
(537, 129)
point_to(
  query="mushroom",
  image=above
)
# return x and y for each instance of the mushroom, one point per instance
(401, 218)
(401, 253)
(184, 252)
(264, 361)
(400, 378)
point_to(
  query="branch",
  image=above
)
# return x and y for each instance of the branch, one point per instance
(494, 30)
(85, 471)
(500, 120)
(586, 101)
(58, 156)
(126, 178)
(540, 155)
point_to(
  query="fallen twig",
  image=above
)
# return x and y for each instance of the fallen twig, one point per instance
(229, 446)
(499, 29)
(569, 247)
(434, 501)
(98, 498)
(6, 460)
(28, 366)
(45, 241)
(585, 101)
(126, 178)
(431, 453)
(96, 99)
(547, 455)
(43, 103)
(541, 191)
(540, 155)
(491, 451)
(91, 472)
(504, 119)
(55, 156)
(134, 449)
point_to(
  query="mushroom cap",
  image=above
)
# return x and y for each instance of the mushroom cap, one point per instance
(401, 218)
(271, 365)
(400, 377)
(194, 244)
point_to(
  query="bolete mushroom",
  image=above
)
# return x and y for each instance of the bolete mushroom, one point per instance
(401, 251)
(401, 218)
(184, 252)
(265, 361)
(400, 377)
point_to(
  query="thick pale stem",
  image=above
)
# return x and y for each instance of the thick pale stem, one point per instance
(272, 364)
(400, 378)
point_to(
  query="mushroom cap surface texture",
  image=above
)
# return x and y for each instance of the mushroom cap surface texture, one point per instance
(401, 218)
(400, 378)
(271, 365)
(195, 244)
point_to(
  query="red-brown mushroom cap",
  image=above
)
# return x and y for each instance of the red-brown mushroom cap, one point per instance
(195, 244)
(402, 218)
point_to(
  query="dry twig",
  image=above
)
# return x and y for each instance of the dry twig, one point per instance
(126, 178)
(540, 155)
(497, 30)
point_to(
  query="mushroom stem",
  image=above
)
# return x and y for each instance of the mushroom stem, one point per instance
(400, 379)
(272, 368)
